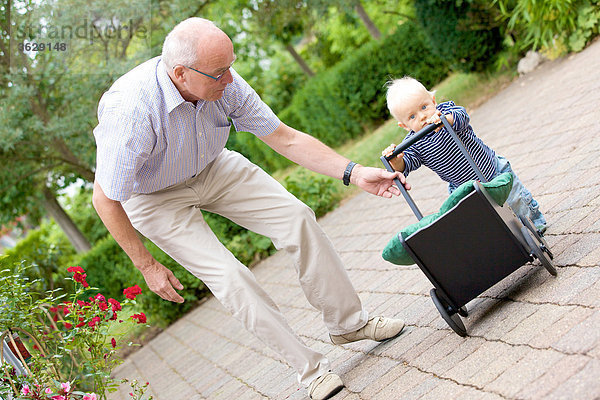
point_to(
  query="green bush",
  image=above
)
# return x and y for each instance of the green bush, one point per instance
(339, 103)
(44, 249)
(319, 192)
(80, 209)
(554, 26)
(463, 32)
(256, 151)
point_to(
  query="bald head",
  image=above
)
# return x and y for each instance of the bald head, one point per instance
(194, 41)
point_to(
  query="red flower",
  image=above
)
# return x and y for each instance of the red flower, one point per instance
(99, 297)
(79, 275)
(116, 306)
(68, 325)
(131, 292)
(82, 303)
(113, 342)
(76, 270)
(103, 306)
(93, 322)
(141, 318)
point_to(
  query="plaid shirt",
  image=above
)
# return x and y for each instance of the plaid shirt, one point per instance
(149, 138)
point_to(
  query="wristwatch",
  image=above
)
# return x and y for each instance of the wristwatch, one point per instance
(348, 172)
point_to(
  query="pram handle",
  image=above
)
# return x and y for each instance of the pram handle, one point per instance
(416, 137)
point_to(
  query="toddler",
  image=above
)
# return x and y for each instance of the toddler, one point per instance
(414, 107)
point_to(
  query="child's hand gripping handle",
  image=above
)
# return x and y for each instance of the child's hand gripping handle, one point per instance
(399, 149)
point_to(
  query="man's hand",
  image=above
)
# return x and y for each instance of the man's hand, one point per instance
(162, 281)
(377, 181)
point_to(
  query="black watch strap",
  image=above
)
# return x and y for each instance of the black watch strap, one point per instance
(348, 172)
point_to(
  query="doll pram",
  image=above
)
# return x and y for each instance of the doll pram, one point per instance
(473, 246)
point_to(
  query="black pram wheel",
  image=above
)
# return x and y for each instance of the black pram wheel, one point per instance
(453, 320)
(538, 252)
(536, 233)
(463, 312)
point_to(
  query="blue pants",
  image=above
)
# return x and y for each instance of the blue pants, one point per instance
(520, 199)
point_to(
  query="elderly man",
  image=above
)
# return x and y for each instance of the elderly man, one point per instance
(161, 159)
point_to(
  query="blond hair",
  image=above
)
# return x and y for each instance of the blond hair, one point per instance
(398, 90)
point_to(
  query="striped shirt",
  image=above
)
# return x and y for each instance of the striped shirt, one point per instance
(439, 152)
(149, 138)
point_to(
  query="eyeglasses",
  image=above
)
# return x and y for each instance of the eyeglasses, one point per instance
(216, 78)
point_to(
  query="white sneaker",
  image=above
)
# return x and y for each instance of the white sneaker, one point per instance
(377, 328)
(325, 386)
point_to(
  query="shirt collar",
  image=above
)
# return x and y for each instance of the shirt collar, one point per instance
(172, 96)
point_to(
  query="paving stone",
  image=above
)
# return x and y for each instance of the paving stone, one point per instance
(514, 313)
(447, 344)
(460, 353)
(591, 259)
(417, 392)
(555, 332)
(559, 243)
(533, 365)
(591, 222)
(543, 288)
(568, 220)
(444, 389)
(250, 395)
(421, 306)
(590, 297)
(403, 384)
(580, 249)
(404, 343)
(572, 341)
(368, 370)
(478, 394)
(582, 385)
(558, 373)
(485, 315)
(544, 317)
(485, 364)
(385, 381)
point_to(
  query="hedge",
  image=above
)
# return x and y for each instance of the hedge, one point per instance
(464, 32)
(339, 103)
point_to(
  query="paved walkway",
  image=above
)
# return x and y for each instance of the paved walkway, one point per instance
(530, 336)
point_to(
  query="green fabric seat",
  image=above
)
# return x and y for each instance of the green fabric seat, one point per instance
(498, 188)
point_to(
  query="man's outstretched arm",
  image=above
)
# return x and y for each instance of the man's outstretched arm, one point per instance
(311, 153)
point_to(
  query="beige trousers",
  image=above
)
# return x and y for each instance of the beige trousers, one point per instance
(239, 190)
